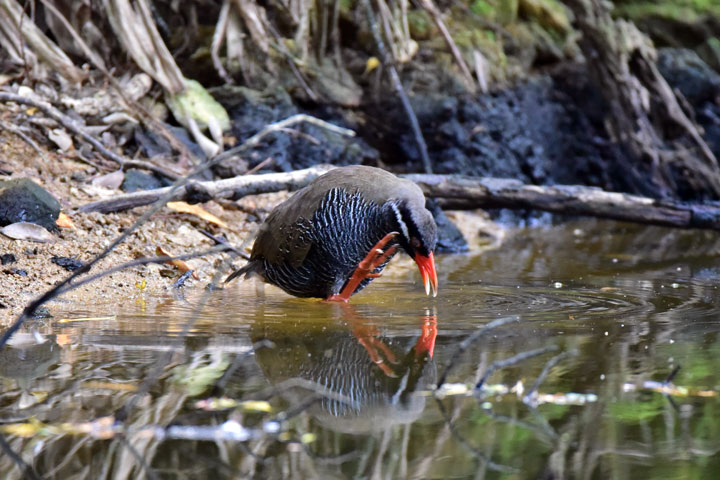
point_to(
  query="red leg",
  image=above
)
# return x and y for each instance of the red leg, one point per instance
(372, 345)
(365, 268)
(426, 342)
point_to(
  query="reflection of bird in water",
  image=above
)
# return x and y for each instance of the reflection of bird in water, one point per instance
(24, 359)
(337, 358)
(334, 236)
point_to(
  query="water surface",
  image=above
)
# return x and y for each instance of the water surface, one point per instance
(596, 309)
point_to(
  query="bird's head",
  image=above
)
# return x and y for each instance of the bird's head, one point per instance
(418, 236)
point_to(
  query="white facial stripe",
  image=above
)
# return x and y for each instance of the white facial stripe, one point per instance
(403, 227)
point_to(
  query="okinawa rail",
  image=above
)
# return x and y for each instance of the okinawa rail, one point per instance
(331, 238)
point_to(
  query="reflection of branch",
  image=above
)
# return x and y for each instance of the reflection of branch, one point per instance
(543, 429)
(545, 372)
(510, 361)
(481, 455)
(305, 384)
(465, 344)
(219, 386)
(69, 456)
(139, 458)
(26, 469)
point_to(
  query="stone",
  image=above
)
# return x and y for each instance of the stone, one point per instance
(685, 70)
(138, 180)
(22, 200)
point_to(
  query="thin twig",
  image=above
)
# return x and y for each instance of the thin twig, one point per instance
(265, 163)
(16, 130)
(161, 259)
(430, 7)
(218, 37)
(397, 84)
(74, 127)
(97, 61)
(225, 243)
(161, 363)
(290, 59)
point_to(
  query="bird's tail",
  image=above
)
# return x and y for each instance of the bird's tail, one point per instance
(246, 269)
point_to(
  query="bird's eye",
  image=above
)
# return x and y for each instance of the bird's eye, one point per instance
(415, 242)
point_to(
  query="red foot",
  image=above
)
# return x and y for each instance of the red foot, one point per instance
(365, 268)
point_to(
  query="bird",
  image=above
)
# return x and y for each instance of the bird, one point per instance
(334, 236)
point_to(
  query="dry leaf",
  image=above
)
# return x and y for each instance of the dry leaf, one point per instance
(109, 180)
(27, 231)
(179, 264)
(63, 221)
(61, 138)
(198, 211)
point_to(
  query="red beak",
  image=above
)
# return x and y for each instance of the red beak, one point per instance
(426, 265)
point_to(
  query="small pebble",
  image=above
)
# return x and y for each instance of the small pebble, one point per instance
(7, 258)
(67, 263)
(17, 271)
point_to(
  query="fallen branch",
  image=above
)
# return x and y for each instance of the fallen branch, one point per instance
(467, 192)
(229, 188)
(453, 191)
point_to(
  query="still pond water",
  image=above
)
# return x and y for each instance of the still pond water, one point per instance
(230, 384)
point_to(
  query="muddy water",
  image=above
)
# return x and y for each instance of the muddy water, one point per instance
(595, 310)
